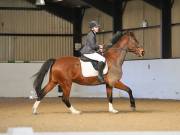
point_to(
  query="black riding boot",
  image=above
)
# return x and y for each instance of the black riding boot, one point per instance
(101, 66)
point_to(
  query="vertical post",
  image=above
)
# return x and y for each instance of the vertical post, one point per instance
(77, 30)
(166, 29)
(117, 15)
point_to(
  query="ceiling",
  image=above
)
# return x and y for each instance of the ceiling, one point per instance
(69, 3)
(82, 3)
(78, 3)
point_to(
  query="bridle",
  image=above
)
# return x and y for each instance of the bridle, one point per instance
(126, 48)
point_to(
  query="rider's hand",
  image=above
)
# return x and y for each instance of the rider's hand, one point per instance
(101, 48)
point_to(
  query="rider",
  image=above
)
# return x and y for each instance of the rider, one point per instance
(90, 48)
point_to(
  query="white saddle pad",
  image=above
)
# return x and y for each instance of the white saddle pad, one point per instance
(88, 69)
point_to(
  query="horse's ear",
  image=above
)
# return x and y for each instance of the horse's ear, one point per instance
(131, 33)
(126, 32)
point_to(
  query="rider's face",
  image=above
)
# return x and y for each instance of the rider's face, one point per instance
(95, 29)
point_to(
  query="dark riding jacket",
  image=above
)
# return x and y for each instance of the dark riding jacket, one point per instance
(90, 45)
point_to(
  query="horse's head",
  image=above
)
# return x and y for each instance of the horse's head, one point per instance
(132, 44)
(126, 41)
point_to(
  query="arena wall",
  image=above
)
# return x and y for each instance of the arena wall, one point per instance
(36, 35)
(147, 78)
(135, 12)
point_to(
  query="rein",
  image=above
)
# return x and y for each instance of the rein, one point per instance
(120, 49)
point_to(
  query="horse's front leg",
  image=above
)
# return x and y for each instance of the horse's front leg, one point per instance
(110, 98)
(121, 86)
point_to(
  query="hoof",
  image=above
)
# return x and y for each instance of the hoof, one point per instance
(133, 109)
(34, 112)
(113, 111)
(76, 112)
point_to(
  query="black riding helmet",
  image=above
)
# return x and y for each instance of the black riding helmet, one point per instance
(93, 24)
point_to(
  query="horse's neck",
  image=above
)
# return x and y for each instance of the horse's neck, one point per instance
(115, 58)
(116, 55)
(121, 58)
(121, 53)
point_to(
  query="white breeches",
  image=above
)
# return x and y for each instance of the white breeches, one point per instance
(95, 56)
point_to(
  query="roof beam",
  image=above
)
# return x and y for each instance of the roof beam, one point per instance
(155, 3)
(105, 6)
(166, 38)
(78, 14)
(124, 5)
(60, 11)
(56, 9)
(117, 15)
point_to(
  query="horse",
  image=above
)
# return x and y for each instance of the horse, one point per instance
(66, 70)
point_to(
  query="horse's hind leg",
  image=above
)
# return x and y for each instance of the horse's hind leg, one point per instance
(45, 90)
(66, 87)
(110, 98)
(120, 85)
(60, 91)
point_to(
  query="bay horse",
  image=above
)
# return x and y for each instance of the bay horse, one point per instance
(65, 70)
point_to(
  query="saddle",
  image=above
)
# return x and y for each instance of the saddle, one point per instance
(90, 67)
(93, 62)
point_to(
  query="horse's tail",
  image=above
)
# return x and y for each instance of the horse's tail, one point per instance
(40, 76)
